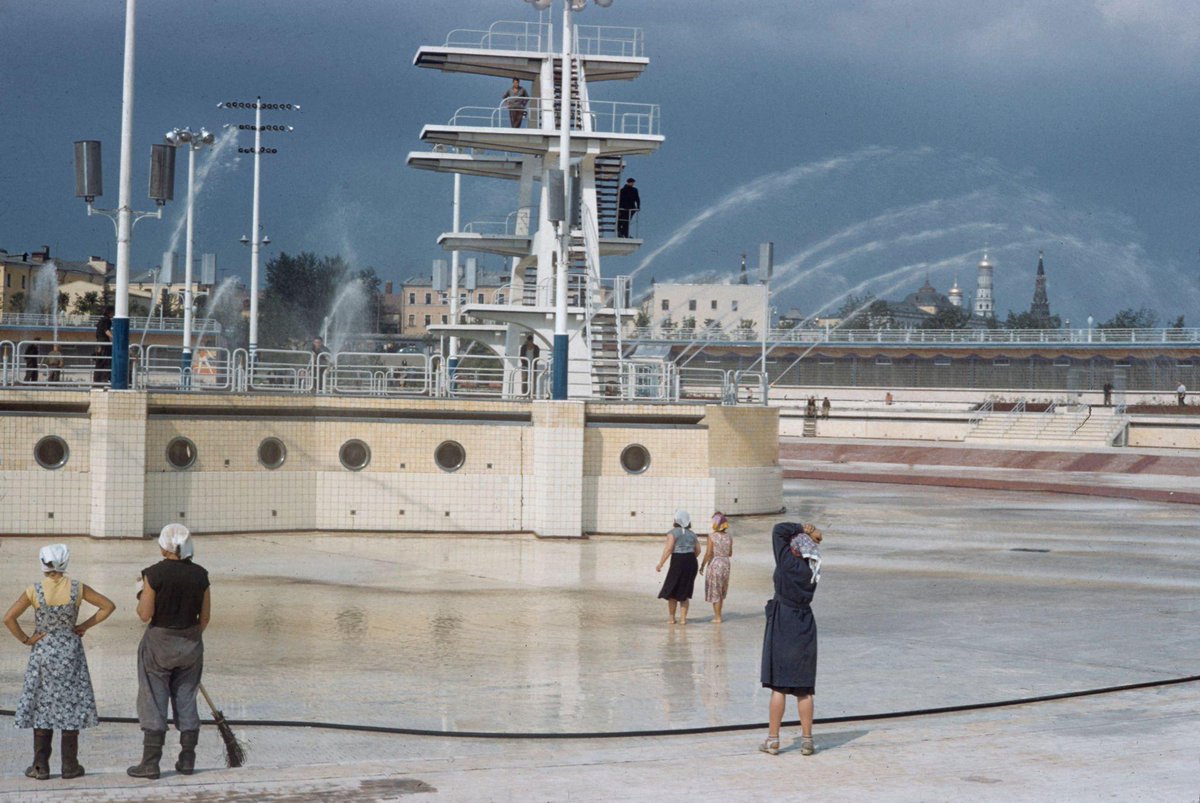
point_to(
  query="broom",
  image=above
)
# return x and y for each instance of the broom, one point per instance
(235, 755)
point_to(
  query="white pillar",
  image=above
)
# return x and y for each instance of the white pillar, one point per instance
(254, 233)
(454, 269)
(120, 330)
(561, 358)
(187, 262)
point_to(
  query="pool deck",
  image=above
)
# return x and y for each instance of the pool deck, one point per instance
(929, 597)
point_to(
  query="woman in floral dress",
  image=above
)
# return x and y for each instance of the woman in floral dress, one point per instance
(58, 689)
(716, 559)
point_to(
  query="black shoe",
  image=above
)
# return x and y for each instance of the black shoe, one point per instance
(43, 744)
(187, 752)
(71, 768)
(152, 747)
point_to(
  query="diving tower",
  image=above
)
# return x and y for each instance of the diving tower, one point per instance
(490, 142)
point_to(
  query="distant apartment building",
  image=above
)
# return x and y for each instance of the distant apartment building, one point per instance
(18, 276)
(419, 305)
(724, 306)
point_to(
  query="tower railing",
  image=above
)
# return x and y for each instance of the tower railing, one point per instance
(604, 40)
(1186, 335)
(536, 37)
(593, 116)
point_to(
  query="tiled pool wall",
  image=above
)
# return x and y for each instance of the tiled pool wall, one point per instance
(136, 461)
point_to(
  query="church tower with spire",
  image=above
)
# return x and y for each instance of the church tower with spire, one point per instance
(1040, 308)
(956, 294)
(984, 306)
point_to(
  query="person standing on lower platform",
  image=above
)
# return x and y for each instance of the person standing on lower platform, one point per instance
(683, 549)
(716, 560)
(789, 656)
(57, 693)
(174, 600)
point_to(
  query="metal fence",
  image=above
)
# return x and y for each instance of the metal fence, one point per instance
(950, 337)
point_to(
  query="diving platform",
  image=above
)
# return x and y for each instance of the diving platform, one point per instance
(523, 65)
(467, 164)
(515, 245)
(536, 141)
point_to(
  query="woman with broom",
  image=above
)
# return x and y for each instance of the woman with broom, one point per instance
(174, 600)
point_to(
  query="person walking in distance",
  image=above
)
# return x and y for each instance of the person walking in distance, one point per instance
(682, 548)
(516, 100)
(629, 202)
(102, 372)
(716, 560)
(1181, 394)
(529, 355)
(789, 655)
(174, 600)
(57, 693)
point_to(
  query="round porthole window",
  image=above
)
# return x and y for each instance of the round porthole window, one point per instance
(51, 452)
(450, 456)
(355, 455)
(181, 453)
(635, 458)
(272, 453)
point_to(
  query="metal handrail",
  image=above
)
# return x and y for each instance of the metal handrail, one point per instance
(947, 336)
(72, 321)
(979, 415)
(380, 374)
(280, 370)
(603, 40)
(81, 365)
(162, 367)
(533, 37)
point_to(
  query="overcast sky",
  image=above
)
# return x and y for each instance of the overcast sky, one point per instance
(866, 138)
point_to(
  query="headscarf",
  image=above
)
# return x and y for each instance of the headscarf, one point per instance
(803, 546)
(719, 522)
(54, 558)
(683, 519)
(178, 539)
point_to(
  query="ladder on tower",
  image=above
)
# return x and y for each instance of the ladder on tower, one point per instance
(608, 188)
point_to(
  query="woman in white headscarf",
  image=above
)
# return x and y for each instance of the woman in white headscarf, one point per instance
(57, 693)
(683, 549)
(173, 599)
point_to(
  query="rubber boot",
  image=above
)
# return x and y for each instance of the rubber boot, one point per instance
(152, 747)
(43, 745)
(187, 751)
(71, 768)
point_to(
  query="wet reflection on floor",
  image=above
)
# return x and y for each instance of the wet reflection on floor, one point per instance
(923, 602)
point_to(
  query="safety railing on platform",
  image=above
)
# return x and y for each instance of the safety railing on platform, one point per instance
(375, 374)
(8, 353)
(701, 384)
(596, 116)
(748, 387)
(283, 371)
(602, 40)
(162, 368)
(632, 380)
(484, 376)
(533, 37)
(56, 363)
(927, 336)
(74, 321)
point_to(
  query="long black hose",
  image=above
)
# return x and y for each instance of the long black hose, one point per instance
(915, 712)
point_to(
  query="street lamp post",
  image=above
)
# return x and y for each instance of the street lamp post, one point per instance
(180, 138)
(256, 229)
(89, 184)
(559, 378)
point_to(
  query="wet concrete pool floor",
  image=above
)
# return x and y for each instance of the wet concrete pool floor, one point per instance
(929, 597)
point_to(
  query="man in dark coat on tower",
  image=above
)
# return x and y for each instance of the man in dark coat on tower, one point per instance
(628, 204)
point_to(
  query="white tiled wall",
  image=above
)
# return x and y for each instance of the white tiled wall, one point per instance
(554, 476)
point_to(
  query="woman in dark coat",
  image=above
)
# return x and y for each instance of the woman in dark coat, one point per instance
(789, 658)
(683, 549)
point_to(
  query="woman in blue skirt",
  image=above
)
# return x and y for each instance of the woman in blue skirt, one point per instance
(58, 689)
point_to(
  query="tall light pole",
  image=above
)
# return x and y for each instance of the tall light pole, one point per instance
(256, 229)
(559, 377)
(89, 186)
(184, 138)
